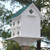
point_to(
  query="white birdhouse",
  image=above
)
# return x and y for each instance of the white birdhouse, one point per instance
(26, 25)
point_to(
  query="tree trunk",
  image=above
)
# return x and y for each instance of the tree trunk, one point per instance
(38, 44)
(25, 47)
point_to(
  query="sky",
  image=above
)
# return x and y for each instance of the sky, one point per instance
(16, 8)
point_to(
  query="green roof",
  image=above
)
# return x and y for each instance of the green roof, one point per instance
(19, 12)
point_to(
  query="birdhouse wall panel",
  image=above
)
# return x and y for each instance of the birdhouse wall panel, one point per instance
(30, 26)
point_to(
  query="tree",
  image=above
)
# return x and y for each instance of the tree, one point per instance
(8, 44)
(3, 19)
(11, 45)
(46, 29)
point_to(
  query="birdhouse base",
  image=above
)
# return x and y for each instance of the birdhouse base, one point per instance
(25, 41)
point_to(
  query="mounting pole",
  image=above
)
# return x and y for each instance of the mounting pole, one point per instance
(25, 47)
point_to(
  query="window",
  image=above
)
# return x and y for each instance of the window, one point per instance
(31, 11)
(13, 23)
(18, 21)
(13, 34)
(18, 33)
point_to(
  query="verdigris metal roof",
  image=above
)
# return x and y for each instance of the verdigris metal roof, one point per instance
(19, 12)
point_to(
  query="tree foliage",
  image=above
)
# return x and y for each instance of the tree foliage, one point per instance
(5, 14)
(38, 3)
(11, 45)
(46, 29)
(4, 34)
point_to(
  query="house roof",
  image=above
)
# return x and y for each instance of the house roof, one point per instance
(23, 9)
(19, 12)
